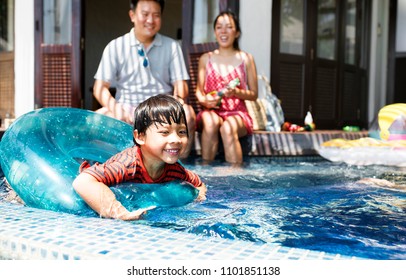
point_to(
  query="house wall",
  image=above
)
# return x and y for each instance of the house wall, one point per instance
(256, 26)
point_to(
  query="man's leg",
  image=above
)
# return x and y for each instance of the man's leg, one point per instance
(191, 124)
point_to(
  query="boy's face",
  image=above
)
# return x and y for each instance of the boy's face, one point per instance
(147, 19)
(163, 142)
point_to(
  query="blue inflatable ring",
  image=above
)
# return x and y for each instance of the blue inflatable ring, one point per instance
(40, 154)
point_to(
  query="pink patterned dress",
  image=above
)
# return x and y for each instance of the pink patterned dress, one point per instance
(230, 106)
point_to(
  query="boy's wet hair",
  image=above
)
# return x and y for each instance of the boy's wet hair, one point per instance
(133, 4)
(162, 109)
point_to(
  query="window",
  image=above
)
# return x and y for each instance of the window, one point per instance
(292, 27)
(205, 12)
(57, 22)
(326, 29)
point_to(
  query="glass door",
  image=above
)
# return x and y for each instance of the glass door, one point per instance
(325, 66)
(289, 68)
(58, 53)
(319, 60)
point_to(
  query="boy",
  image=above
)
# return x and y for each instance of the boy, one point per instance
(160, 137)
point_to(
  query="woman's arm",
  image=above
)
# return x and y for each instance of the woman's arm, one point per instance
(206, 100)
(252, 79)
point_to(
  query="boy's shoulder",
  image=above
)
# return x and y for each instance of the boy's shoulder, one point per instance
(130, 152)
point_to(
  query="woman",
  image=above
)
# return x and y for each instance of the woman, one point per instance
(226, 77)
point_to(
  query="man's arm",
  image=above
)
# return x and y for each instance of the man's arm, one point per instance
(180, 91)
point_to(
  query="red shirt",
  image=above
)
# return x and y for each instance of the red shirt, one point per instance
(127, 166)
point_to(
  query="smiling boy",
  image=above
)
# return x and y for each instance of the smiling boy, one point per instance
(160, 137)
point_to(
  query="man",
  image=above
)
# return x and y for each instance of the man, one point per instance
(141, 64)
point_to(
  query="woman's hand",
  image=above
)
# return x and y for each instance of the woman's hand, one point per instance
(210, 101)
(229, 92)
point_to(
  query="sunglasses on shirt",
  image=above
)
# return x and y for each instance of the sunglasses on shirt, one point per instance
(141, 53)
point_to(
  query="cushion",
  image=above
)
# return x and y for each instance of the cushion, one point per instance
(257, 112)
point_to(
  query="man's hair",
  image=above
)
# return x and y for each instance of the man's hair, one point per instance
(134, 3)
(161, 108)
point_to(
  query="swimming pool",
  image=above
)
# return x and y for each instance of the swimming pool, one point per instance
(306, 204)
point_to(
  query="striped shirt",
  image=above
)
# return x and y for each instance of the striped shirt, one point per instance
(122, 66)
(127, 166)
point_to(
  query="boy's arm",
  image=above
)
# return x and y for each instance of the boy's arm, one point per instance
(101, 199)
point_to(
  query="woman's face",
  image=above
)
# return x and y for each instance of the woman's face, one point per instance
(147, 19)
(225, 31)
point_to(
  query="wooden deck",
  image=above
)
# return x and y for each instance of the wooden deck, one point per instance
(264, 143)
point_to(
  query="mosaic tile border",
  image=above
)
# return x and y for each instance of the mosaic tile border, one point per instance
(29, 233)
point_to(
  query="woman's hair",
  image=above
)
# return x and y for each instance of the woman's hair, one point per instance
(133, 4)
(237, 26)
(161, 108)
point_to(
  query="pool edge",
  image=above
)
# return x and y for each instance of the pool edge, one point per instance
(26, 233)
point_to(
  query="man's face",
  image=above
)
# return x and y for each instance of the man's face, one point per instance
(147, 19)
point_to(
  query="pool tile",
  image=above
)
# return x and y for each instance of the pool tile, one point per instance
(40, 234)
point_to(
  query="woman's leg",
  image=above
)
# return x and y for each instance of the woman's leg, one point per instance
(232, 129)
(210, 134)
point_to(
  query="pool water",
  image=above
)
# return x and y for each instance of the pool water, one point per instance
(299, 202)
(312, 204)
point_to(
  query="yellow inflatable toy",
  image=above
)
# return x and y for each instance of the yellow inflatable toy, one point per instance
(390, 150)
(392, 122)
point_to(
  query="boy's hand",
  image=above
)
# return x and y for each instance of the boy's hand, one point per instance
(135, 215)
(202, 193)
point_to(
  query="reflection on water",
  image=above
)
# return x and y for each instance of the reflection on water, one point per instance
(312, 204)
(309, 204)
